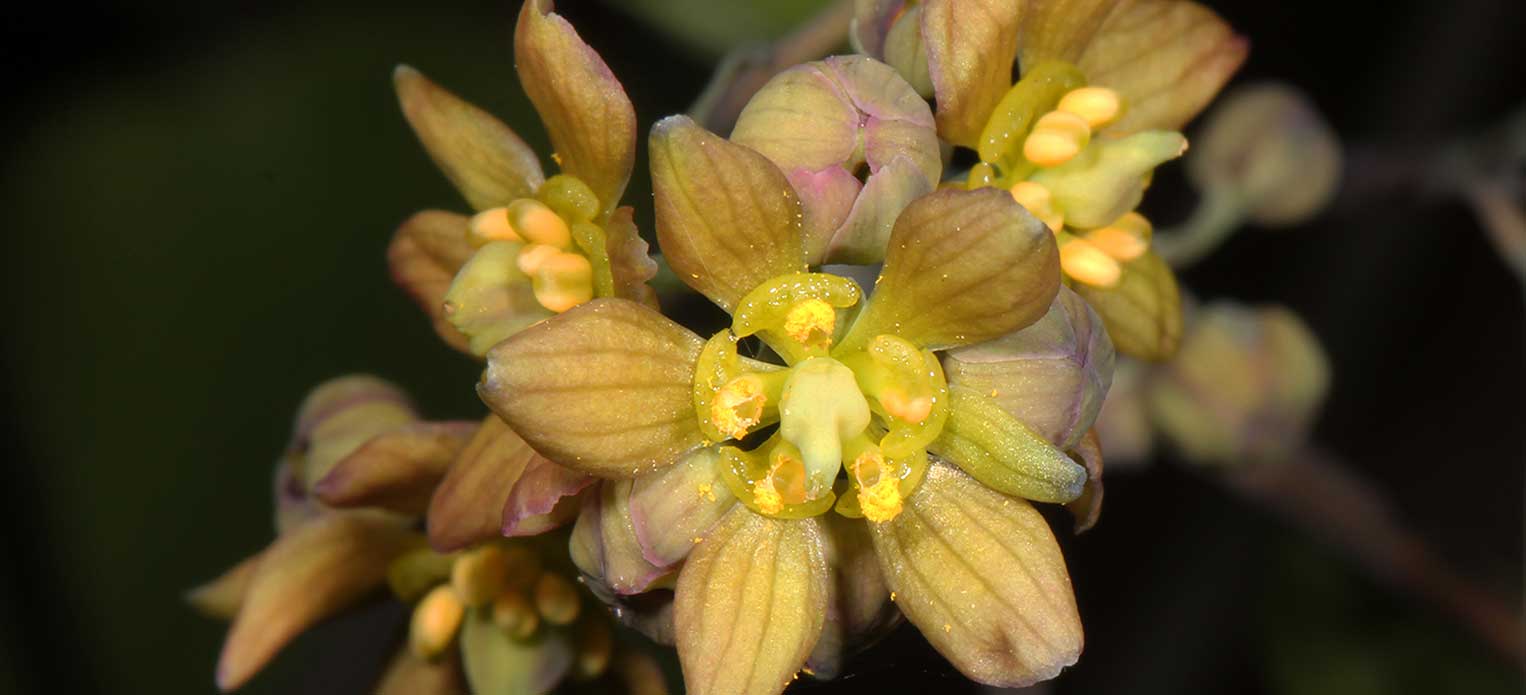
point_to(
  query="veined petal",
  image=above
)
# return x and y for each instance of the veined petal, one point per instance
(750, 604)
(1052, 375)
(424, 256)
(864, 235)
(827, 197)
(222, 597)
(605, 388)
(981, 575)
(673, 509)
(604, 545)
(308, 574)
(587, 114)
(486, 161)
(467, 507)
(727, 219)
(1167, 58)
(1003, 453)
(396, 471)
(497, 663)
(970, 48)
(629, 259)
(1060, 30)
(1143, 312)
(962, 267)
(859, 609)
(542, 498)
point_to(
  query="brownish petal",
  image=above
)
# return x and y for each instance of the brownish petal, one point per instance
(859, 609)
(1088, 507)
(307, 575)
(1060, 29)
(467, 507)
(396, 471)
(605, 388)
(424, 256)
(1143, 312)
(222, 597)
(970, 48)
(671, 510)
(410, 675)
(630, 259)
(982, 577)
(962, 267)
(486, 161)
(750, 604)
(590, 120)
(541, 499)
(727, 219)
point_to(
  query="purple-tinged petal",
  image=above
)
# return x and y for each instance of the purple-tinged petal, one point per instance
(673, 509)
(543, 487)
(397, 470)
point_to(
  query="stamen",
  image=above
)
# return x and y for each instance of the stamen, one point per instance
(767, 498)
(539, 224)
(1037, 200)
(1057, 137)
(561, 280)
(435, 621)
(489, 226)
(738, 406)
(1084, 262)
(1125, 239)
(1098, 106)
(879, 492)
(811, 322)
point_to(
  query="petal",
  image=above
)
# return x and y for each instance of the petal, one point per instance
(467, 508)
(604, 545)
(1108, 179)
(305, 576)
(859, 609)
(827, 197)
(490, 298)
(540, 499)
(486, 161)
(1052, 375)
(1088, 506)
(1143, 312)
(962, 267)
(750, 604)
(605, 388)
(1003, 453)
(671, 510)
(727, 219)
(590, 120)
(424, 256)
(970, 48)
(222, 597)
(396, 471)
(496, 663)
(981, 575)
(872, 20)
(863, 237)
(410, 675)
(630, 259)
(1060, 30)
(1165, 57)
(801, 119)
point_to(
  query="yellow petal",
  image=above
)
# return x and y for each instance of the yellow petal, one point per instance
(981, 575)
(605, 389)
(962, 267)
(859, 607)
(424, 256)
(1143, 312)
(750, 604)
(486, 161)
(590, 120)
(727, 219)
(970, 47)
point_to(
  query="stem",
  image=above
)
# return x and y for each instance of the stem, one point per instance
(1219, 213)
(1315, 491)
(745, 70)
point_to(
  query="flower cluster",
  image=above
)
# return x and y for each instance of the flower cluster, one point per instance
(772, 495)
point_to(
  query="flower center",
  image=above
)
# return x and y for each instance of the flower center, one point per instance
(560, 275)
(820, 408)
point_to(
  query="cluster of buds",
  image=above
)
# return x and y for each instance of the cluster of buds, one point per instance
(772, 496)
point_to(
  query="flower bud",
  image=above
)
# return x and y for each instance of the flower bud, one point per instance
(1268, 147)
(435, 622)
(1243, 388)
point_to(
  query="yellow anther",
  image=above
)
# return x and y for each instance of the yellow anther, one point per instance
(1084, 262)
(1098, 106)
(435, 621)
(539, 224)
(561, 280)
(738, 406)
(811, 322)
(556, 599)
(1036, 199)
(1056, 138)
(489, 226)
(479, 575)
(766, 496)
(1125, 239)
(900, 404)
(514, 614)
(879, 492)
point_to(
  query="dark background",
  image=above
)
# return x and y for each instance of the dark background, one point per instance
(196, 198)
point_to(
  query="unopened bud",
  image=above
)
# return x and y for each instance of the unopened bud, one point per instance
(556, 599)
(435, 622)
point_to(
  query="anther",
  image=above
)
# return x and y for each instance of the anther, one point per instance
(479, 575)
(489, 226)
(811, 322)
(738, 406)
(1038, 201)
(435, 622)
(1084, 262)
(562, 281)
(539, 224)
(1098, 106)
(556, 599)
(514, 614)
(1125, 239)
(879, 492)
(1056, 138)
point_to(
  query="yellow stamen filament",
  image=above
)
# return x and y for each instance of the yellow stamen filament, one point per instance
(513, 614)
(811, 322)
(1084, 262)
(479, 575)
(1037, 200)
(435, 621)
(556, 599)
(539, 224)
(879, 492)
(1126, 239)
(489, 226)
(1098, 106)
(1056, 138)
(560, 279)
(738, 406)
